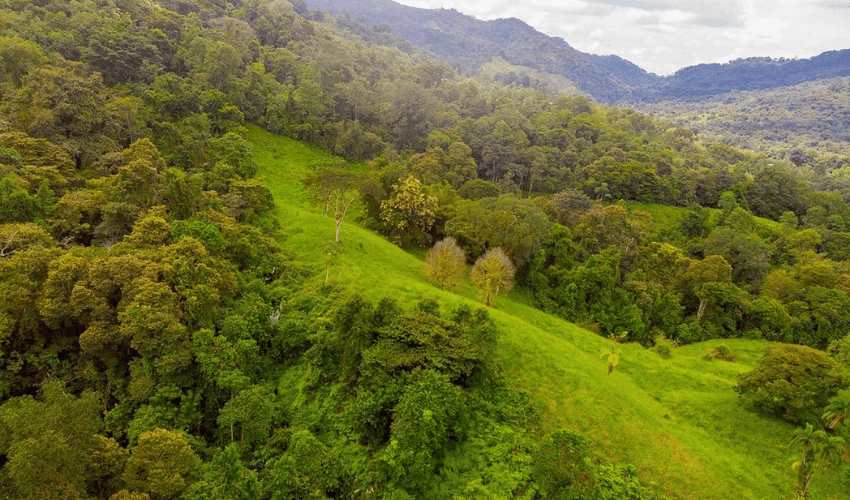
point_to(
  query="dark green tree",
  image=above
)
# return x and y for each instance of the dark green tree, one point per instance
(792, 382)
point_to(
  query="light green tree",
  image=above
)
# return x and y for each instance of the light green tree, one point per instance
(493, 273)
(409, 212)
(708, 277)
(161, 464)
(445, 262)
(335, 188)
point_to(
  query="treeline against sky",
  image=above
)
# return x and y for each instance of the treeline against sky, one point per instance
(149, 311)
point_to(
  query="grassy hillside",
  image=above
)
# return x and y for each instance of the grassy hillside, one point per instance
(676, 419)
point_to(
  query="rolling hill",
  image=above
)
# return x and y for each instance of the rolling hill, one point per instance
(468, 43)
(677, 420)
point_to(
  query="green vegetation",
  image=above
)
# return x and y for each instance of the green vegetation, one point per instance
(793, 382)
(492, 273)
(195, 305)
(804, 124)
(820, 451)
(445, 262)
(650, 410)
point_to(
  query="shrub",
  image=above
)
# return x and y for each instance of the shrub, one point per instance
(664, 346)
(721, 352)
(792, 382)
(840, 350)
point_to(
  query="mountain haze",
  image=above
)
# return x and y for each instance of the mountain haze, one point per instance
(468, 43)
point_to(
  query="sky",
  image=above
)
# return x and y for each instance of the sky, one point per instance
(666, 35)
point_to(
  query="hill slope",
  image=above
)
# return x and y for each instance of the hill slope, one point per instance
(677, 420)
(469, 43)
(808, 124)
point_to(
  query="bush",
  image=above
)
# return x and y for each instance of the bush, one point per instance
(664, 346)
(721, 352)
(792, 382)
(840, 350)
(562, 466)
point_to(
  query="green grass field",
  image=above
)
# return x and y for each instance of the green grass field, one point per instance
(676, 419)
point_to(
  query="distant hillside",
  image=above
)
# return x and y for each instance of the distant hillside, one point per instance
(626, 71)
(807, 124)
(468, 43)
(755, 73)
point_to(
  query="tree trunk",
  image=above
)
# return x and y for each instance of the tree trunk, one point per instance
(802, 492)
(703, 303)
(338, 226)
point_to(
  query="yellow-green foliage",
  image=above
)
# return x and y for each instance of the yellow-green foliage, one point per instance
(493, 273)
(664, 346)
(649, 410)
(722, 352)
(445, 262)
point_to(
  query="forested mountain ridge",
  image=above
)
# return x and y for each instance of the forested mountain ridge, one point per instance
(806, 124)
(174, 326)
(468, 43)
(755, 73)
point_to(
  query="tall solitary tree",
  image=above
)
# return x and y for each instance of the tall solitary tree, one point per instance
(335, 188)
(445, 262)
(493, 273)
(820, 451)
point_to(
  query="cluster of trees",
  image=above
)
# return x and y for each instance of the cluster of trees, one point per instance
(704, 274)
(157, 342)
(735, 276)
(492, 273)
(802, 385)
(155, 339)
(805, 124)
(339, 84)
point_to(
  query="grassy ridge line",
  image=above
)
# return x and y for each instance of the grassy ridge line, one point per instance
(677, 420)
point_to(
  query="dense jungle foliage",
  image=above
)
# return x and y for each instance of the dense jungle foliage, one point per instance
(158, 342)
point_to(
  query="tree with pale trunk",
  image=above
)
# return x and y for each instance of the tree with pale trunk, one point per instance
(445, 262)
(336, 189)
(709, 279)
(493, 273)
(820, 451)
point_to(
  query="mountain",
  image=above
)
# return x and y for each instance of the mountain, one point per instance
(755, 73)
(807, 124)
(468, 43)
(187, 310)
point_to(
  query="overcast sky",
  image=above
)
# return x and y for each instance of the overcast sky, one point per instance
(666, 35)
